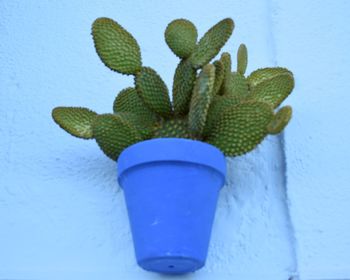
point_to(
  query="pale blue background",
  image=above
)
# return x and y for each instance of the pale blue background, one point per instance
(284, 210)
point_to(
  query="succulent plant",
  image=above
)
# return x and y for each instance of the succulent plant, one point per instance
(211, 103)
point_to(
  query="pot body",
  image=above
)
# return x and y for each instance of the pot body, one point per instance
(171, 188)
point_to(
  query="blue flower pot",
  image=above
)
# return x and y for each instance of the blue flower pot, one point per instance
(171, 188)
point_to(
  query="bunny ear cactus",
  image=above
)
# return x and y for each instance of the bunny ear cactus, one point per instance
(210, 102)
(181, 37)
(75, 120)
(175, 127)
(241, 128)
(271, 85)
(211, 43)
(280, 120)
(219, 76)
(153, 91)
(201, 99)
(184, 78)
(242, 59)
(113, 134)
(116, 47)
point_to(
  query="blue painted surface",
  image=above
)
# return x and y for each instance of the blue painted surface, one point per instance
(62, 212)
(172, 211)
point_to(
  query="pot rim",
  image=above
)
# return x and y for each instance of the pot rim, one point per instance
(161, 149)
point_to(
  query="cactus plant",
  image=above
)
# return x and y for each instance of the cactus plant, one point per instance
(211, 103)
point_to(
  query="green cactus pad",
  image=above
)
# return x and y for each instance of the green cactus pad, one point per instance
(274, 90)
(219, 76)
(177, 127)
(144, 127)
(201, 98)
(242, 59)
(280, 120)
(75, 120)
(128, 101)
(130, 107)
(116, 47)
(211, 43)
(236, 85)
(241, 128)
(153, 91)
(181, 37)
(113, 134)
(225, 58)
(262, 74)
(217, 107)
(227, 63)
(184, 78)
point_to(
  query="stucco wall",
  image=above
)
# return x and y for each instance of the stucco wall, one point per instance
(317, 50)
(62, 213)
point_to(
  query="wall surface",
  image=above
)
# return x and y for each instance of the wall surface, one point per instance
(62, 213)
(317, 50)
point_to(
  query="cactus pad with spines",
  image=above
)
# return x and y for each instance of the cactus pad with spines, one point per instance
(236, 85)
(241, 128)
(128, 101)
(153, 91)
(177, 127)
(75, 120)
(116, 47)
(184, 78)
(260, 75)
(201, 98)
(219, 76)
(215, 105)
(212, 42)
(274, 90)
(280, 120)
(113, 134)
(227, 63)
(144, 127)
(181, 37)
(130, 107)
(242, 59)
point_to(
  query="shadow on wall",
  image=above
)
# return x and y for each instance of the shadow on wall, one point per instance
(84, 164)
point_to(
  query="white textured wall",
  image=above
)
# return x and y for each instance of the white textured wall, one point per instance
(317, 50)
(62, 214)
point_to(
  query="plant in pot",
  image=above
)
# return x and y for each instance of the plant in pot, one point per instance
(171, 154)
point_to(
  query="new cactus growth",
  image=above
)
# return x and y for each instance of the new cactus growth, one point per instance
(211, 103)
